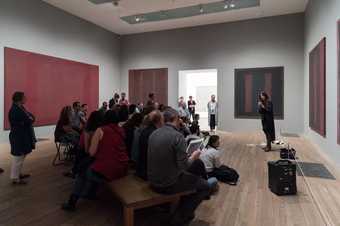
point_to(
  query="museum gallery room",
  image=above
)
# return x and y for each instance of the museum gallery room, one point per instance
(170, 113)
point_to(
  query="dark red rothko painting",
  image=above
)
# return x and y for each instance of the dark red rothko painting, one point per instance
(338, 49)
(317, 88)
(250, 82)
(49, 84)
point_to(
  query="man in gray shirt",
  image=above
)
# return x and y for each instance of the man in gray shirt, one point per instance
(170, 170)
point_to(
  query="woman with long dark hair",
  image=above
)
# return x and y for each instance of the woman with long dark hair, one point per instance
(64, 131)
(267, 118)
(21, 136)
(110, 160)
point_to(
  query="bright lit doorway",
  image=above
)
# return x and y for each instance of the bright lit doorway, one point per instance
(200, 84)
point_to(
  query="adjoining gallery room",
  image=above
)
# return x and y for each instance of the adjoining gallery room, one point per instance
(170, 113)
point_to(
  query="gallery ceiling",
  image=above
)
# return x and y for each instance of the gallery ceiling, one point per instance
(137, 16)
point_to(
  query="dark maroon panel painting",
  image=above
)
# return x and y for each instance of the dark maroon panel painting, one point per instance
(317, 88)
(250, 82)
(338, 32)
(145, 81)
(49, 83)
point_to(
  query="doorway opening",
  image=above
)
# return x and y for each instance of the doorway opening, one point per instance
(200, 84)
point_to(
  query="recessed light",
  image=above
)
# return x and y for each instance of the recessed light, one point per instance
(201, 9)
(137, 19)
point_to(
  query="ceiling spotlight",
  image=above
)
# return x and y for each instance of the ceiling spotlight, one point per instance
(201, 9)
(232, 4)
(226, 6)
(138, 19)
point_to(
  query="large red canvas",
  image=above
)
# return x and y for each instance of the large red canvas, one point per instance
(49, 84)
(317, 88)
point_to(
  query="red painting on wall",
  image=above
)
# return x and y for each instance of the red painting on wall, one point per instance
(317, 88)
(49, 83)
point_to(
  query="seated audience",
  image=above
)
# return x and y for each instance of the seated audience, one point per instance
(129, 127)
(195, 134)
(132, 109)
(211, 158)
(103, 108)
(123, 100)
(114, 101)
(83, 113)
(155, 120)
(169, 168)
(123, 113)
(135, 143)
(75, 116)
(184, 128)
(81, 152)
(64, 131)
(140, 107)
(110, 160)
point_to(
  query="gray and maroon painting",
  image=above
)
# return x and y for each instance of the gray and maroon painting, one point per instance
(250, 82)
(317, 88)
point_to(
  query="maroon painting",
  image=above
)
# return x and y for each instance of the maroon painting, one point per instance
(338, 32)
(145, 81)
(49, 83)
(250, 82)
(317, 88)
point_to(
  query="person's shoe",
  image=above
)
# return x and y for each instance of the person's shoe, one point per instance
(68, 207)
(23, 176)
(19, 182)
(1, 171)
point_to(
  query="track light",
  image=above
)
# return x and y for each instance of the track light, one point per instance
(201, 9)
(232, 4)
(226, 5)
(138, 19)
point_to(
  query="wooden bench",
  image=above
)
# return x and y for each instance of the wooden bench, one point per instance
(135, 193)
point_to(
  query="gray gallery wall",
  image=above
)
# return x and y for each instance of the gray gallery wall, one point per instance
(274, 41)
(320, 21)
(33, 25)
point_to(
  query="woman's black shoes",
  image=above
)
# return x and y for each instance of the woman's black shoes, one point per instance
(1, 171)
(68, 207)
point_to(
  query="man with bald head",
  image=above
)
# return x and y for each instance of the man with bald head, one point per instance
(155, 121)
(169, 168)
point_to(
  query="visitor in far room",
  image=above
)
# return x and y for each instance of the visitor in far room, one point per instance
(103, 108)
(191, 107)
(114, 101)
(123, 100)
(213, 113)
(22, 137)
(83, 113)
(265, 107)
(151, 100)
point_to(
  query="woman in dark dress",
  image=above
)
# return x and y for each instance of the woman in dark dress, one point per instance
(267, 118)
(21, 136)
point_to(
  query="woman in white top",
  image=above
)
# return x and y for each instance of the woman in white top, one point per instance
(213, 113)
(211, 159)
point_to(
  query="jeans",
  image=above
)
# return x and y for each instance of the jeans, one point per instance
(86, 185)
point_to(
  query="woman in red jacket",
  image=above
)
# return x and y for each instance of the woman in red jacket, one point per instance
(110, 160)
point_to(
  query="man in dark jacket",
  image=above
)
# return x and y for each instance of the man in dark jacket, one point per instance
(267, 119)
(169, 168)
(155, 121)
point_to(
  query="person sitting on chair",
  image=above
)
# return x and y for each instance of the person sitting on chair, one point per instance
(64, 131)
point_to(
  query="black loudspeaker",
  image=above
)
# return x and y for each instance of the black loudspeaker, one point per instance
(282, 177)
(287, 153)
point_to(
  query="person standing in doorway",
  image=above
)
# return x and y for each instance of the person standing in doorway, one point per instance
(213, 113)
(123, 100)
(191, 107)
(22, 137)
(265, 107)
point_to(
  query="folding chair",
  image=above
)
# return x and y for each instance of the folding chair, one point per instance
(63, 153)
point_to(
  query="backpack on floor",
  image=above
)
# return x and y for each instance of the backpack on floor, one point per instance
(226, 174)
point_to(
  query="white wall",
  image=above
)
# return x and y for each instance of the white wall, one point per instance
(320, 21)
(274, 41)
(38, 27)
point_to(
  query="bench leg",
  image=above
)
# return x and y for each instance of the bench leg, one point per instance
(128, 216)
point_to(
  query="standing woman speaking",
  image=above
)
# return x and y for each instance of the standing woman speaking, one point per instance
(21, 136)
(267, 118)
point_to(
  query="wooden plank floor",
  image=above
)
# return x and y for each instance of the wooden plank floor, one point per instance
(248, 204)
